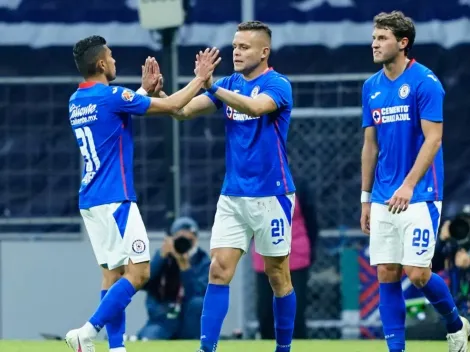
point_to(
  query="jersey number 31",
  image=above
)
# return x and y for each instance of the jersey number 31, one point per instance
(88, 150)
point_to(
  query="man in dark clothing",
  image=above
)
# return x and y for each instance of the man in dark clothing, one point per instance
(179, 275)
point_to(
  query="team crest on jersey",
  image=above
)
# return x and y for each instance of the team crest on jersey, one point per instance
(377, 116)
(138, 246)
(255, 92)
(127, 95)
(404, 91)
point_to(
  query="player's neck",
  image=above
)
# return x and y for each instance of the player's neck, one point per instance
(98, 79)
(394, 69)
(258, 71)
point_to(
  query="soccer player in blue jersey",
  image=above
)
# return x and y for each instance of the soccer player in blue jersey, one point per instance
(100, 116)
(403, 178)
(257, 198)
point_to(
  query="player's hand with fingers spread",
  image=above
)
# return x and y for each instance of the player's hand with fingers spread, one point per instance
(400, 199)
(365, 218)
(206, 63)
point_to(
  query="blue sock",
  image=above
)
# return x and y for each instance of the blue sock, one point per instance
(284, 317)
(113, 304)
(437, 292)
(116, 328)
(214, 310)
(393, 314)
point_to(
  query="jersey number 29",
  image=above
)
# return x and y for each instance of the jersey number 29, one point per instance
(88, 150)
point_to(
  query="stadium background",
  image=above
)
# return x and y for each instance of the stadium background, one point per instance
(48, 278)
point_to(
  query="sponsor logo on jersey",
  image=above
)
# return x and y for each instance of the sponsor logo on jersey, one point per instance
(82, 114)
(233, 114)
(375, 95)
(391, 114)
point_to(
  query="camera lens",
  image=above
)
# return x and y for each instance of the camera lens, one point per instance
(182, 245)
(459, 229)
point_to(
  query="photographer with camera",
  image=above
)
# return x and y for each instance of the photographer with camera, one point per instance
(179, 275)
(453, 254)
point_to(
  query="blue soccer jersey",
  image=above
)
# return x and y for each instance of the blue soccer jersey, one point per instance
(100, 117)
(255, 147)
(395, 109)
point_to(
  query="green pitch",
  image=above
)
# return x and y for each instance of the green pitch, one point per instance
(230, 346)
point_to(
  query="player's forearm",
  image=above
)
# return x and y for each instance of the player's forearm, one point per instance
(180, 115)
(241, 103)
(178, 100)
(368, 165)
(423, 161)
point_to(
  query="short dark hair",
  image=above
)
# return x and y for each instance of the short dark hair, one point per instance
(86, 52)
(400, 25)
(255, 26)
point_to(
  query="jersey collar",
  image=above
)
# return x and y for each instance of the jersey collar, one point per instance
(267, 70)
(87, 84)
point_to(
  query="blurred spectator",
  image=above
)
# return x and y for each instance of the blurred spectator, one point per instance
(304, 235)
(178, 279)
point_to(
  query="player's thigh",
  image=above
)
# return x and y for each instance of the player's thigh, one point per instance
(229, 229)
(419, 224)
(271, 221)
(385, 243)
(95, 220)
(135, 244)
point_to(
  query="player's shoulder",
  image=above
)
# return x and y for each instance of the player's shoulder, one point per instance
(276, 77)
(118, 93)
(423, 73)
(373, 80)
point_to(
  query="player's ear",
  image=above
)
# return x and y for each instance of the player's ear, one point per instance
(265, 53)
(403, 43)
(100, 66)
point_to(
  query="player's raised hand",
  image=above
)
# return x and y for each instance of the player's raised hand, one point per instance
(400, 199)
(365, 218)
(206, 62)
(151, 76)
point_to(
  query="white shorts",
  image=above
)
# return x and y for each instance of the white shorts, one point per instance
(407, 238)
(267, 219)
(117, 234)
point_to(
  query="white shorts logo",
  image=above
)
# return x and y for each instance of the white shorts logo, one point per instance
(138, 246)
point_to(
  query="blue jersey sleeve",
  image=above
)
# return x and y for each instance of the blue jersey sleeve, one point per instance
(125, 100)
(223, 83)
(430, 98)
(367, 120)
(280, 90)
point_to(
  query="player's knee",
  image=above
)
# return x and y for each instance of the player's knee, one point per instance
(418, 276)
(221, 271)
(138, 274)
(223, 264)
(387, 273)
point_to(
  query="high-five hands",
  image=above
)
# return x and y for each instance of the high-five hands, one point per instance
(205, 64)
